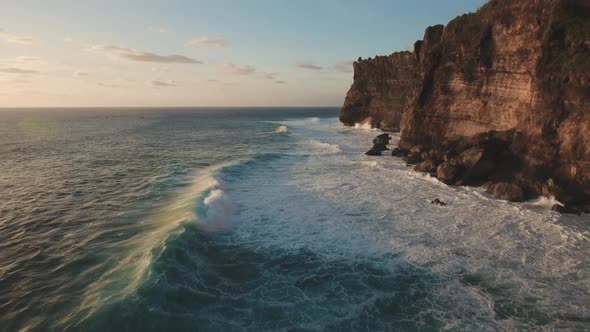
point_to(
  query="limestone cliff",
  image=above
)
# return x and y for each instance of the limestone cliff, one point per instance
(380, 89)
(514, 64)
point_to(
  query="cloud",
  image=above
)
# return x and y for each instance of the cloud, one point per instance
(142, 56)
(239, 71)
(344, 66)
(15, 70)
(308, 66)
(157, 29)
(162, 83)
(107, 85)
(273, 77)
(79, 73)
(68, 40)
(270, 76)
(206, 42)
(14, 39)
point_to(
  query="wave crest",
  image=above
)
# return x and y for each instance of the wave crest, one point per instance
(281, 129)
(218, 211)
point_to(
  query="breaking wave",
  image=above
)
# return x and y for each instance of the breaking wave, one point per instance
(281, 129)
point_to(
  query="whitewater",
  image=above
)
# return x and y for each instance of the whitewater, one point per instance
(293, 227)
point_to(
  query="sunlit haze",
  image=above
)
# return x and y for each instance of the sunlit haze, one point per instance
(199, 53)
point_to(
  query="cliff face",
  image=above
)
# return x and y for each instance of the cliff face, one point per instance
(380, 90)
(514, 64)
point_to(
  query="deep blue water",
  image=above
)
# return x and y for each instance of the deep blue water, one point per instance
(261, 219)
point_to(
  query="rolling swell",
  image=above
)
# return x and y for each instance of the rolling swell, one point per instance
(202, 207)
(203, 279)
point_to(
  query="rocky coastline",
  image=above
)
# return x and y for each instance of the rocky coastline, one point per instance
(499, 98)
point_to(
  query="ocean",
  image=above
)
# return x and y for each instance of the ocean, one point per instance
(258, 220)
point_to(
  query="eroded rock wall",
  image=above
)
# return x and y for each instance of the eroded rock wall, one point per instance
(514, 64)
(380, 90)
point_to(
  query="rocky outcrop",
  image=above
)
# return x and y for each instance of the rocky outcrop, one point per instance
(520, 67)
(380, 90)
(507, 191)
(380, 144)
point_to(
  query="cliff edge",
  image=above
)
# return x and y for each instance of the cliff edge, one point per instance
(515, 66)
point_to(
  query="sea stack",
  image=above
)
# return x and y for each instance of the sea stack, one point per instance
(519, 69)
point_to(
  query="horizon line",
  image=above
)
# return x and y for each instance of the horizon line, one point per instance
(135, 107)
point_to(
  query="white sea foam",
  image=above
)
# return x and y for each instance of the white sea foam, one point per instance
(365, 126)
(280, 129)
(220, 213)
(345, 206)
(545, 202)
(320, 147)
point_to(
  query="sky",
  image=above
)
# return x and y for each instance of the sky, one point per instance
(107, 53)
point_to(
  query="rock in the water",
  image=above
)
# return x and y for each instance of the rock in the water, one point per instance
(565, 209)
(397, 152)
(427, 166)
(382, 139)
(412, 158)
(507, 191)
(447, 172)
(438, 202)
(377, 150)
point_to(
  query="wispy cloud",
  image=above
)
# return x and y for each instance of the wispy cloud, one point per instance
(142, 56)
(162, 83)
(80, 73)
(239, 70)
(270, 76)
(206, 42)
(310, 66)
(14, 39)
(21, 71)
(216, 81)
(157, 29)
(107, 85)
(344, 66)
(273, 77)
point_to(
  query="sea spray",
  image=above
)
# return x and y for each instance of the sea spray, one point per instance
(218, 211)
